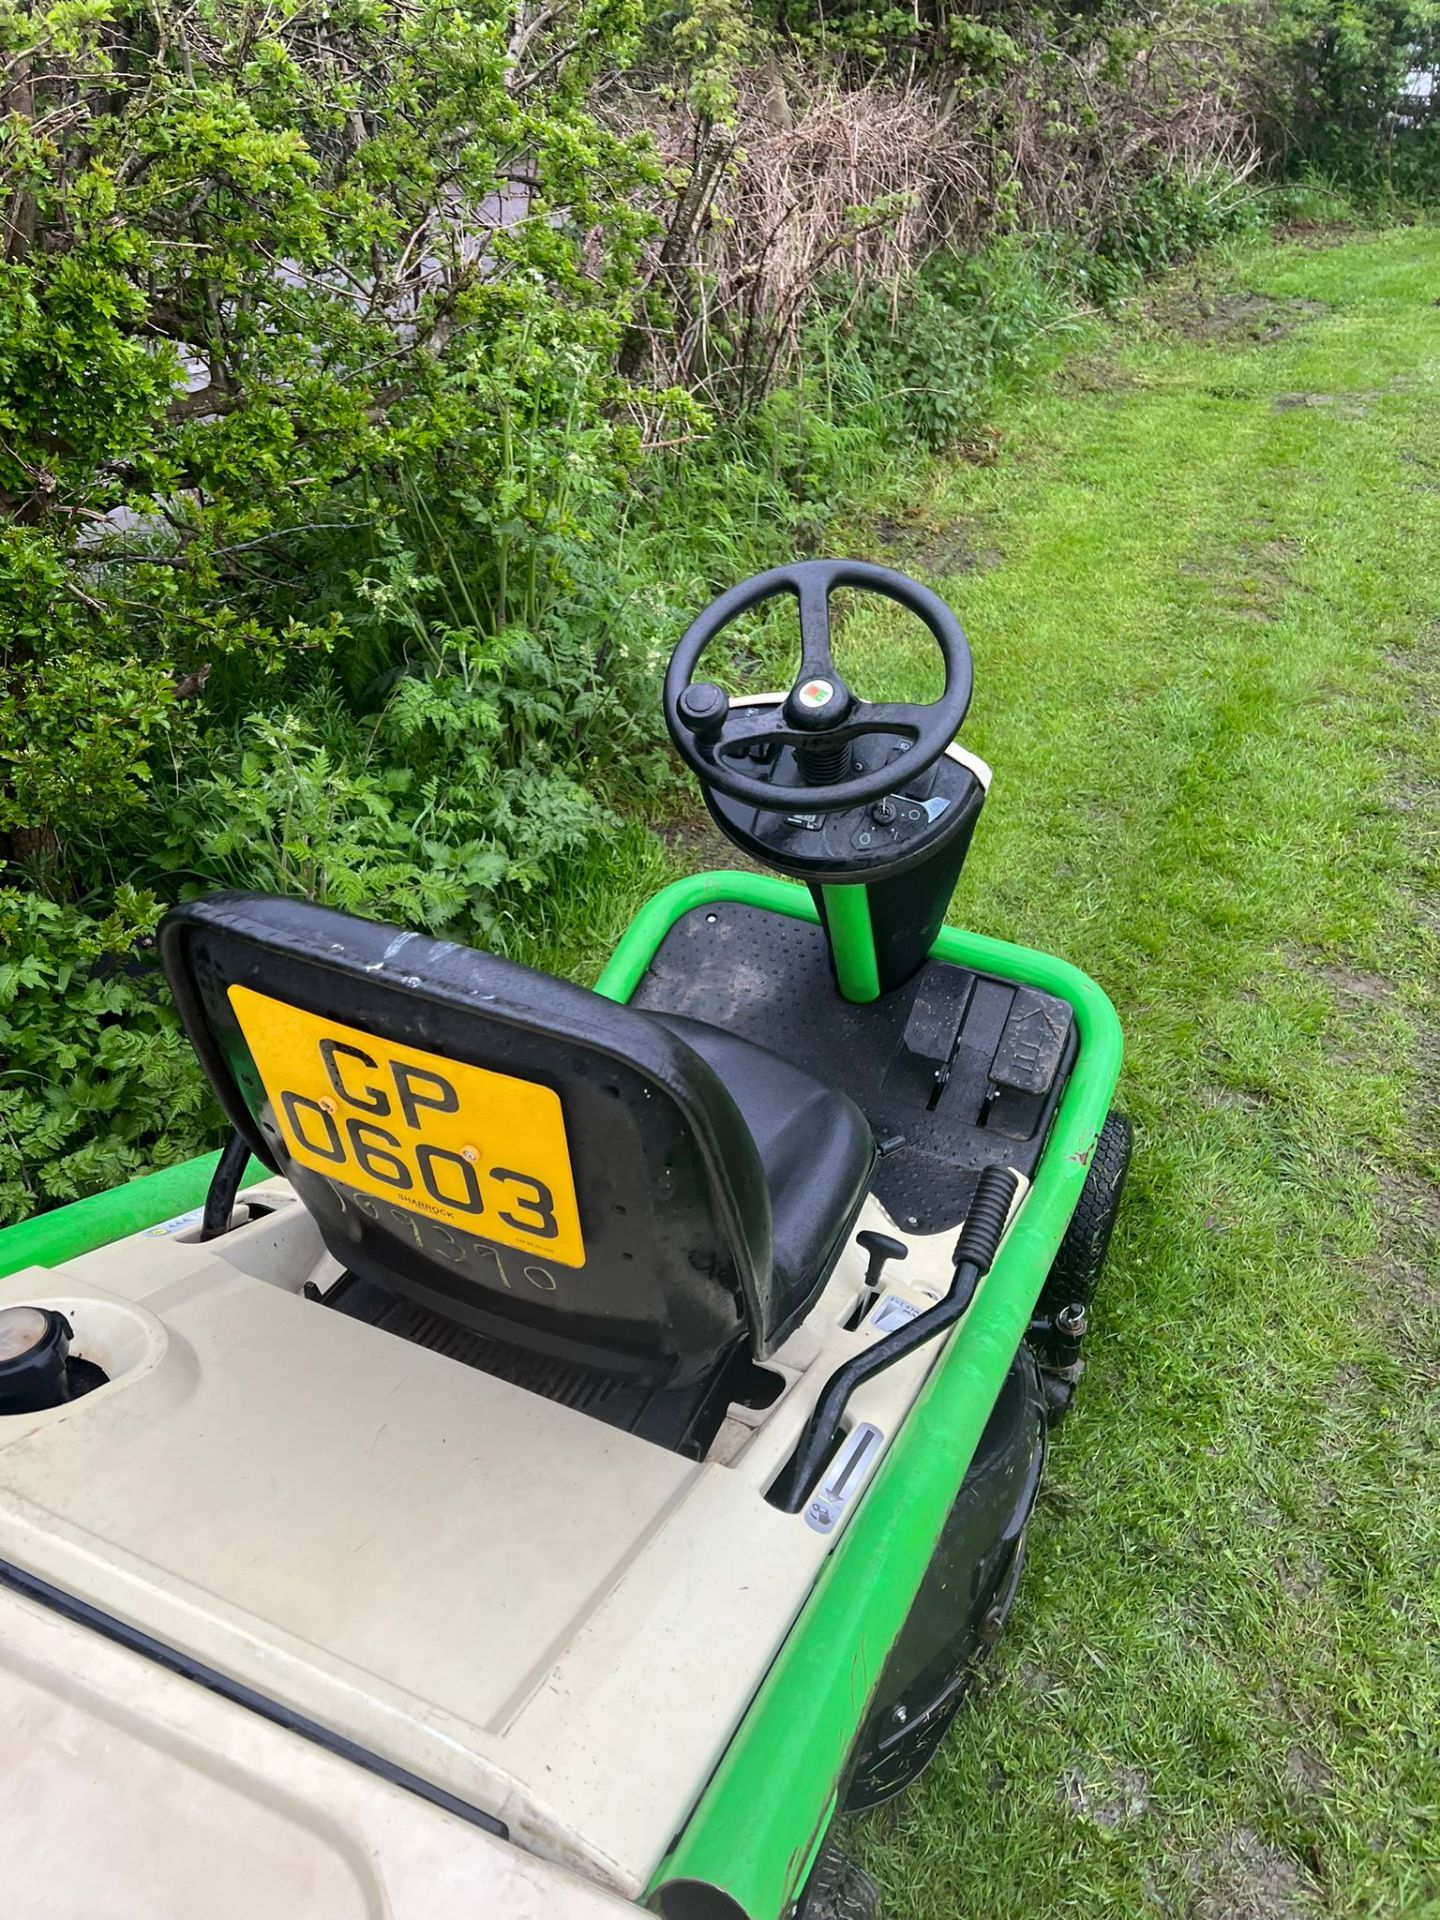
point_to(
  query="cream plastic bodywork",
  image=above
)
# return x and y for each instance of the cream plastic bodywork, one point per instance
(134, 1794)
(554, 1621)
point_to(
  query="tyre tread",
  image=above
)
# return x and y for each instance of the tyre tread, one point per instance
(838, 1889)
(1077, 1266)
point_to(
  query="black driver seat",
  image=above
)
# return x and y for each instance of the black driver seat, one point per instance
(639, 1196)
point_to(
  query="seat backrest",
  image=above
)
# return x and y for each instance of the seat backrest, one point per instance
(535, 1161)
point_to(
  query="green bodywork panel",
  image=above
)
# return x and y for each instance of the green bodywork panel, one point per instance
(754, 1829)
(86, 1224)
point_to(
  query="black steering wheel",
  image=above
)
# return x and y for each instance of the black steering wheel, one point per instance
(819, 718)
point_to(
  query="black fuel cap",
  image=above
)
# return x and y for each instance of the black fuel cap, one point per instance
(34, 1346)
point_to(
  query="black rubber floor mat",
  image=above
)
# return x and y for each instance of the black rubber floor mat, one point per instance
(955, 1071)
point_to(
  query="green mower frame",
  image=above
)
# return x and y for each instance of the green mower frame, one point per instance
(762, 1818)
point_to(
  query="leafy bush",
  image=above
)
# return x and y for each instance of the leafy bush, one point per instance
(289, 291)
(272, 273)
(98, 1082)
(1343, 64)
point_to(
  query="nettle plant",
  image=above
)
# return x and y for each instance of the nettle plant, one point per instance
(259, 261)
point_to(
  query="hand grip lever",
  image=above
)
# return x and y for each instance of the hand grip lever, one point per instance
(975, 1249)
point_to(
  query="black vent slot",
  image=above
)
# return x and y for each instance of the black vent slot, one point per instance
(682, 1419)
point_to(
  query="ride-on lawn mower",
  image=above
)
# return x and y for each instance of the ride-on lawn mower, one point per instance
(591, 1449)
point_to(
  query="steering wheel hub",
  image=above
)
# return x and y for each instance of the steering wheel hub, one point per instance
(815, 696)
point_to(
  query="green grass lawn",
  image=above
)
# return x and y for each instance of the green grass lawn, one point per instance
(1206, 632)
(1202, 583)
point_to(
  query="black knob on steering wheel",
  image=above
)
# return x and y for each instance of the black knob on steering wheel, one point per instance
(820, 718)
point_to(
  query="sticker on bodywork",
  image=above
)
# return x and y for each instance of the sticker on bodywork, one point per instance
(891, 1312)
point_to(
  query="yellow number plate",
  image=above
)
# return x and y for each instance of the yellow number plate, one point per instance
(476, 1150)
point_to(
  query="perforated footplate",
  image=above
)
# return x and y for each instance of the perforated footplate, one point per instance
(683, 1419)
(955, 1071)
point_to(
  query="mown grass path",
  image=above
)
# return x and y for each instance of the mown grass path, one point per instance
(1208, 677)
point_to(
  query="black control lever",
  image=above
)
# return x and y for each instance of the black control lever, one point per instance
(704, 708)
(975, 1249)
(882, 1249)
(224, 1187)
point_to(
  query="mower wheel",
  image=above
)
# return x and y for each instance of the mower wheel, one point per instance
(838, 1890)
(1073, 1277)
